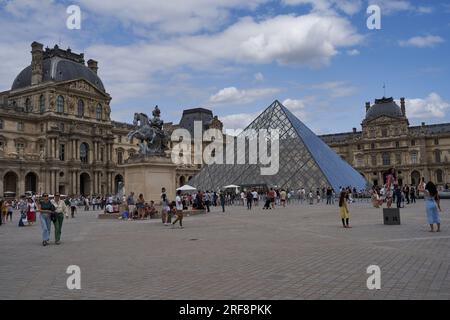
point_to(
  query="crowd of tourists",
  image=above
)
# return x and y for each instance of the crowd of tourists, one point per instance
(53, 210)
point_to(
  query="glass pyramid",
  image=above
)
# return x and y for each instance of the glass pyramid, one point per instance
(305, 161)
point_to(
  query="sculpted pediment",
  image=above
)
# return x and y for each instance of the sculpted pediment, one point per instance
(83, 85)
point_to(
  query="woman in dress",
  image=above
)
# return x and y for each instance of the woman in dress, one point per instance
(31, 211)
(140, 205)
(432, 204)
(343, 208)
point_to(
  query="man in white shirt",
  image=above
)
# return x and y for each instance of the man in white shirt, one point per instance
(60, 208)
(179, 206)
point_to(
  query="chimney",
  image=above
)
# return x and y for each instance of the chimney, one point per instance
(402, 104)
(367, 106)
(37, 54)
(423, 124)
(93, 65)
(354, 130)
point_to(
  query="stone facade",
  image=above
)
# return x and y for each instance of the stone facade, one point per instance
(56, 133)
(388, 141)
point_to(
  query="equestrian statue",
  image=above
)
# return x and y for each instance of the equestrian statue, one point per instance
(153, 139)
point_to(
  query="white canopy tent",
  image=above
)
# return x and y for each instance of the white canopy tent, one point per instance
(231, 186)
(187, 187)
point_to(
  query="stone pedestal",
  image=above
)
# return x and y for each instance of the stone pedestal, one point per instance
(148, 175)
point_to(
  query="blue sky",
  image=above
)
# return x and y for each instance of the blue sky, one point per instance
(316, 56)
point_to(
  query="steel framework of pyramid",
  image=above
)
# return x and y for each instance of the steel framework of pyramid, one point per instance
(305, 161)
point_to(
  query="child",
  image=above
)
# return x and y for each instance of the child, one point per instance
(344, 209)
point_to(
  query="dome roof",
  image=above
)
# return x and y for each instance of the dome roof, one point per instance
(59, 69)
(384, 107)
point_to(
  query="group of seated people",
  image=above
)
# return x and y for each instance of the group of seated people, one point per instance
(149, 210)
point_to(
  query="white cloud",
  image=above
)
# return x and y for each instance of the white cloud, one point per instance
(309, 40)
(354, 52)
(432, 106)
(297, 107)
(238, 121)
(422, 41)
(232, 95)
(347, 6)
(259, 76)
(394, 6)
(336, 89)
(174, 16)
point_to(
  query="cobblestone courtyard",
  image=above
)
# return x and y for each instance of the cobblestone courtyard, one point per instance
(299, 252)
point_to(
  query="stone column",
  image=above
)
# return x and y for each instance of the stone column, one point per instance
(1, 184)
(21, 186)
(77, 181)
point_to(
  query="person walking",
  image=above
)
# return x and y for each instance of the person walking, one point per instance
(222, 200)
(46, 208)
(398, 196)
(283, 198)
(60, 209)
(73, 206)
(9, 210)
(23, 210)
(343, 208)
(178, 205)
(31, 211)
(131, 206)
(249, 197)
(413, 194)
(433, 206)
(140, 205)
(67, 203)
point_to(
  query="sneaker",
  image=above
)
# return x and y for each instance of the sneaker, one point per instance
(44, 243)
(58, 242)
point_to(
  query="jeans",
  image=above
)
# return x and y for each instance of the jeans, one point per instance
(46, 225)
(58, 225)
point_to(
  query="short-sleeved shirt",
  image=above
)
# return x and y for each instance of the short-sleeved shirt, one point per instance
(179, 203)
(47, 206)
(130, 200)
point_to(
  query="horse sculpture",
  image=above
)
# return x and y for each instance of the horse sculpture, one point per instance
(153, 140)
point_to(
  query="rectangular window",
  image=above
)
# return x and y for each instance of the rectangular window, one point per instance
(62, 152)
(413, 143)
(1, 124)
(398, 159)
(374, 160)
(20, 147)
(414, 158)
(120, 158)
(102, 150)
(397, 144)
(20, 126)
(359, 147)
(119, 139)
(436, 141)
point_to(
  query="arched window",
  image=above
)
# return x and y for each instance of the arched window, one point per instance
(80, 108)
(60, 104)
(98, 112)
(42, 104)
(437, 156)
(439, 176)
(28, 106)
(84, 152)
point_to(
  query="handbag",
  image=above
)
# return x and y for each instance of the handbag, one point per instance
(53, 216)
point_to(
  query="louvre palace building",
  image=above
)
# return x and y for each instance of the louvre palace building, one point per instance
(56, 134)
